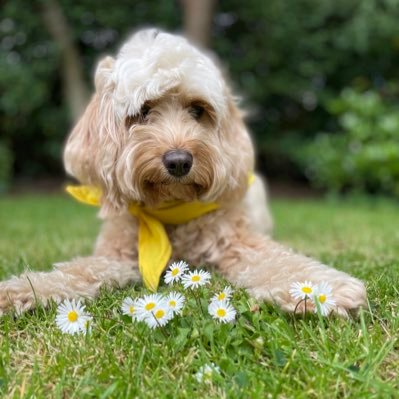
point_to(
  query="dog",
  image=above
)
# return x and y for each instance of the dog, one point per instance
(163, 126)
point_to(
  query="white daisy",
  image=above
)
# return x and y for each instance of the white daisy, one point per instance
(196, 279)
(129, 308)
(222, 311)
(145, 305)
(205, 372)
(224, 295)
(302, 290)
(175, 272)
(323, 296)
(175, 302)
(71, 317)
(158, 317)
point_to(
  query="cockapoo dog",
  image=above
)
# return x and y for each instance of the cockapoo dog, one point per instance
(164, 126)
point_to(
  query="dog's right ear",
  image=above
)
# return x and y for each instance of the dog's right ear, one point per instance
(102, 76)
(82, 144)
(92, 147)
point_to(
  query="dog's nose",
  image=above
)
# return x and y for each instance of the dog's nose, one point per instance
(177, 162)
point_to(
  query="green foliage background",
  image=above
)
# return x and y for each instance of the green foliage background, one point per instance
(364, 153)
(289, 59)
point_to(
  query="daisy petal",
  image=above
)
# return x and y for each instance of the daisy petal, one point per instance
(175, 302)
(71, 317)
(323, 298)
(222, 311)
(224, 295)
(175, 272)
(301, 290)
(196, 279)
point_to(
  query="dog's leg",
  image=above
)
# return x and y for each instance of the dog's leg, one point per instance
(267, 269)
(256, 207)
(114, 264)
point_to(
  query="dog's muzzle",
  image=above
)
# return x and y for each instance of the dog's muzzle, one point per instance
(177, 162)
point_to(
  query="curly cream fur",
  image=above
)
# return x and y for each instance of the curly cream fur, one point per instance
(115, 148)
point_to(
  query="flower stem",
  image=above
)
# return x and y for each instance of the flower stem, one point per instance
(306, 298)
(197, 299)
(109, 318)
(160, 327)
(296, 307)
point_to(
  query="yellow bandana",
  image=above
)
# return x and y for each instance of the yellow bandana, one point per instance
(154, 247)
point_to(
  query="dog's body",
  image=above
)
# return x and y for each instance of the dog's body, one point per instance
(164, 126)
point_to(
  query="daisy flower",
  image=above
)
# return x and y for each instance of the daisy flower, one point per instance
(323, 296)
(302, 290)
(129, 308)
(158, 317)
(222, 311)
(224, 295)
(195, 279)
(175, 302)
(71, 317)
(147, 304)
(175, 272)
(205, 372)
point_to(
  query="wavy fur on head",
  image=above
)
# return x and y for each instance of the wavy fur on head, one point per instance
(160, 94)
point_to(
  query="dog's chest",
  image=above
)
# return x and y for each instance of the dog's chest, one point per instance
(201, 240)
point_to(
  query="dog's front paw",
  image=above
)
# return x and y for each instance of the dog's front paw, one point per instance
(349, 294)
(16, 294)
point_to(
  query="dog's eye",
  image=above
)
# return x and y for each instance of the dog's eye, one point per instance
(141, 117)
(144, 111)
(196, 111)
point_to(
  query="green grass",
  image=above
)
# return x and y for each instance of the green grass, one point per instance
(265, 354)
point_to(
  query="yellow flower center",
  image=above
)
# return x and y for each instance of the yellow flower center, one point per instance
(221, 312)
(307, 290)
(172, 303)
(159, 314)
(221, 296)
(322, 298)
(131, 309)
(149, 306)
(72, 316)
(196, 278)
(175, 271)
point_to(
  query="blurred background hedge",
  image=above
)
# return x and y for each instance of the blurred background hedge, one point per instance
(320, 79)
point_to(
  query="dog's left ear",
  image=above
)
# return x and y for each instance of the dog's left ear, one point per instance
(237, 146)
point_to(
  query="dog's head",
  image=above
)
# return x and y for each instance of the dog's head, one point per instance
(161, 126)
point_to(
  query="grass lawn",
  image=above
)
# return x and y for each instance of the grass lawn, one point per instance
(265, 354)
